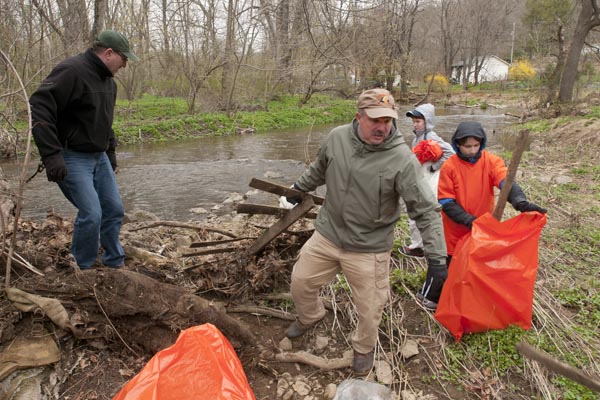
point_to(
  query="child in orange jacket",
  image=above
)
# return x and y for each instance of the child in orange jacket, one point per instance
(467, 181)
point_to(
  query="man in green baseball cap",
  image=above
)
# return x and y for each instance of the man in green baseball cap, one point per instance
(72, 113)
(110, 39)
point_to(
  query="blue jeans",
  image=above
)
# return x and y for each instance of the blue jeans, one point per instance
(91, 186)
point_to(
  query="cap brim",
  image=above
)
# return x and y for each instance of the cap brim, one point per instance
(381, 112)
(415, 113)
(130, 56)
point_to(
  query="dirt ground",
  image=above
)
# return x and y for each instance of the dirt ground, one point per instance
(117, 320)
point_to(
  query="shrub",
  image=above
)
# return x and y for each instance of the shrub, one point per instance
(521, 71)
(440, 82)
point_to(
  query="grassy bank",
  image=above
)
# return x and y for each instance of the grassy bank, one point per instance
(158, 119)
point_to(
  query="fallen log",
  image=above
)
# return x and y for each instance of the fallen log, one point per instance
(130, 307)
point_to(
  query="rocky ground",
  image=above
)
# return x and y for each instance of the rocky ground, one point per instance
(117, 320)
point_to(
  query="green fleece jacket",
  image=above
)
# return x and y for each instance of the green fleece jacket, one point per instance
(364, 186)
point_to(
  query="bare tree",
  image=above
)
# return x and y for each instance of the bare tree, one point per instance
(589, 18)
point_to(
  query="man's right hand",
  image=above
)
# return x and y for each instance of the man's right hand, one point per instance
(294, 199)
(56, 169)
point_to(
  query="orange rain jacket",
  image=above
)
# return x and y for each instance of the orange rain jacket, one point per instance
(471, 185)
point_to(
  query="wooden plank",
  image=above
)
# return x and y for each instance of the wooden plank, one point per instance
(292, 216)
(249, 208)
(510, 176)
(218, 242)
(280, 190)
(211, 251)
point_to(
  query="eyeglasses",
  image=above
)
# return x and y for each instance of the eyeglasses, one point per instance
(123, 56)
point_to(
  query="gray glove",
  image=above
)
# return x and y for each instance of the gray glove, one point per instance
(56, 169)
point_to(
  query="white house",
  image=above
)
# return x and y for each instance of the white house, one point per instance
(492, 68)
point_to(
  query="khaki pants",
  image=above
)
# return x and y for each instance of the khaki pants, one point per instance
(366, 273)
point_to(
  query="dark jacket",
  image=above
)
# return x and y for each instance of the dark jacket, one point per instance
(364, 186)
(73, 107)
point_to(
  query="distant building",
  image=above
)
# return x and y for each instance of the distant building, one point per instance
(491, 68)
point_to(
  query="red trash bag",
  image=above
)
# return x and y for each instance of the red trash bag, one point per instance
(428, 150)
(201, 365)
(491, 276)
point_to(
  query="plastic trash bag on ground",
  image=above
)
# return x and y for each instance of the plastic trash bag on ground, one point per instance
(357, 389)
(201, 365)
(492, 275)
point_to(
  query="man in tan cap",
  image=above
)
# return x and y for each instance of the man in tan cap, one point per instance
(367, 168)
(72, 114)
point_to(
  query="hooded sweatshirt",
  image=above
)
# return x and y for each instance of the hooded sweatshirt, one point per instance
(428, 111)
(364, 185)
(469, 181)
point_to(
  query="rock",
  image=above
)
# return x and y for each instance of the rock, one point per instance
(301, 388)
(409, 349)
(233, 198)
(383, 370)
(273, 175)
(285, 344)
(407, 395)
(330, 391)
(282, 387)
(198, 210)
(321, 342)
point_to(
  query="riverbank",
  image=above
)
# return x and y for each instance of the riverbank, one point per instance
(159, 119)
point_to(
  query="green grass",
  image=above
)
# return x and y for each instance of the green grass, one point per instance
(156, 119)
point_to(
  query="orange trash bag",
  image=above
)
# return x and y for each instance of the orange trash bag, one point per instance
(492, 275)
(201, 365)
(428, 150)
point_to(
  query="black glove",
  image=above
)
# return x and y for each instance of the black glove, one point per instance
(458, 214)
(434, 281)
(112, 157)
(296, 198)
(56, 169)
(525, 206)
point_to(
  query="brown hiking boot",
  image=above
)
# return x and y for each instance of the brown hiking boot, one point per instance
(297, 329)
(362, 363)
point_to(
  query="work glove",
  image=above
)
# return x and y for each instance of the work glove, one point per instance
(56, 169)
(294, 199)
(526, 206)
(434, 281)
(112, 157)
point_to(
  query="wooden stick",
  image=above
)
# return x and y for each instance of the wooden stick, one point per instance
(558, 367)
(249, 208)
(292, 216)
(262, 311)
(218, 242)
(280, 190)
(211, 251)
(176, 224)
(510, 176)
(307, 358)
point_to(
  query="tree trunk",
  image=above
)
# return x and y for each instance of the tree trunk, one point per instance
(588, 19)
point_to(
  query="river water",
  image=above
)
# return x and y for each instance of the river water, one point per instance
(172, 179)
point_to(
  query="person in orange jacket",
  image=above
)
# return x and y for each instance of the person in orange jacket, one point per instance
(467, 181)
